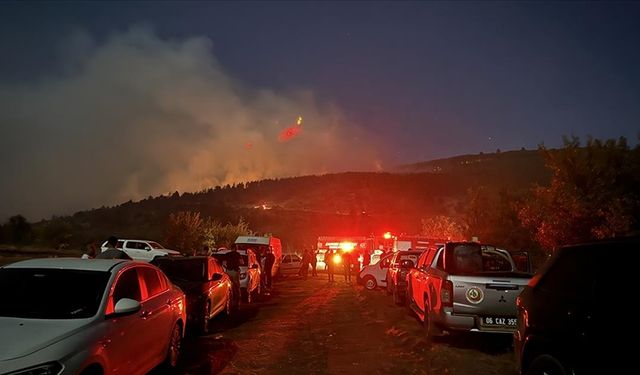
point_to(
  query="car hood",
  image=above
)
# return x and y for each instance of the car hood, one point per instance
(22, 337)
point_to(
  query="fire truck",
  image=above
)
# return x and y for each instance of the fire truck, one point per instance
(356, 245)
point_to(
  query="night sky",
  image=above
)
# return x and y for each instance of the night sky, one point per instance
(414, 81)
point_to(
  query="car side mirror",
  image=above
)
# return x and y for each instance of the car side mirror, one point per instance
(126, 306)
(254, 266)
(216, 277)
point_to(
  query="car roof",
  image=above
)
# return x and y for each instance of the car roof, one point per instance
(70, 263)
(181, 258)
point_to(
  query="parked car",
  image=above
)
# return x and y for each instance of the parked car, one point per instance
(571, 316)
(143, 250)
(375, 274)
(465, 286)
(207, 287)
(88, 316)
(250, 285)
(401, 263)
(291, 263)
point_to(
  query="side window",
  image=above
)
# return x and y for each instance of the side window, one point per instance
(286, 259)
(119, 245)
(151, 281)
(144, 246)
(127, 286)
(440, 261)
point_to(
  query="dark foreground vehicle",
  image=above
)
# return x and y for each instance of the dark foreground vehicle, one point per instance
(207, 287)
(572, 314)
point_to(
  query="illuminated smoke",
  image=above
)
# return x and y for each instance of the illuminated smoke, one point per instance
(139, 115)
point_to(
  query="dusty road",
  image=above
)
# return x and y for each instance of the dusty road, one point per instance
(311, 327)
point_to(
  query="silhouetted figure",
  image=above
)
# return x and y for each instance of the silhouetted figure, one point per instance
(314, 262)
(233, 260)
(269, 261)
(112, 252)
(328, 261)
(346, 264)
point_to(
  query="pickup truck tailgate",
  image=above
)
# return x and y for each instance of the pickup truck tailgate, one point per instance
(487, 295)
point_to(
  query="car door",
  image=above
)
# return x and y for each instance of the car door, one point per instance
(124, 338)
(218, 289)
(380, 272)
(135, 249)
(156, 314)
(255, 271)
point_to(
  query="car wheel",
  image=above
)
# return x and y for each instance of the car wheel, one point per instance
(204, 328)
(175, 345)
(428, 324)
(547, 365)
(370, 283)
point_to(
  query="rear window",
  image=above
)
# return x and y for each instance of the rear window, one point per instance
(569, 274)
(469, 259)
(409, 256)
(184, 269)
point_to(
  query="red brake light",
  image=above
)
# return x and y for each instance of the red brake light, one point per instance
(446, 294)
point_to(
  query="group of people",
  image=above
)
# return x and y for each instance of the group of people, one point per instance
(309, 258)
(336, 259)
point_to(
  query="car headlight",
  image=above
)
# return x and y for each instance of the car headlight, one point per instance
(52, 368)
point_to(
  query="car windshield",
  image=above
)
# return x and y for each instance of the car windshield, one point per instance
(409, 256)
(156, 245)
(184, 269)
(51, 293)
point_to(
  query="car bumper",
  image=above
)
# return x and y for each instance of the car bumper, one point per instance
(450, 321)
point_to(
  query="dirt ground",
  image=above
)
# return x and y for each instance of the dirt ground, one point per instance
(312, 327)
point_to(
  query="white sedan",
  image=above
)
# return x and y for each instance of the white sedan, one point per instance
(88, 316)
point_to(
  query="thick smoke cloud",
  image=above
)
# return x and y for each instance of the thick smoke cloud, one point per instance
(138, 115)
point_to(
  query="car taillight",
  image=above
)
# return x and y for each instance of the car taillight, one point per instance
(446, 294)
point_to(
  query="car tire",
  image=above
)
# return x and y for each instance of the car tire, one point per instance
(174, 349)
(427, 324)
(547, 364)
(370, 282)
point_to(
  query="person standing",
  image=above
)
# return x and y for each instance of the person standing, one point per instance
(112, 251)
(346, 264)
(269, 261)
(366, 257)
(233, 260)
(304, 268)
(328, 261)
(314, 262)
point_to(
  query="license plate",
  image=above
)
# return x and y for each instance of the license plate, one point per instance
(499, 321)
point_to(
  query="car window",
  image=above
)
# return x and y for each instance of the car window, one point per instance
(295, 258)
(570, 274)
(151, 281)
(127, 286)
(422, 259)
(384, 263)
(119, 244)
(51, 293)
(156, 245)
(286, 259)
